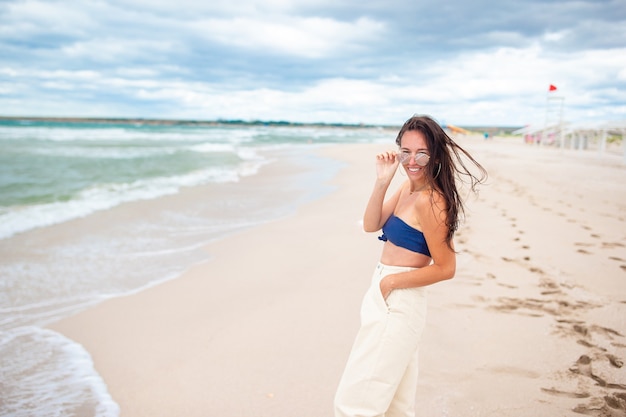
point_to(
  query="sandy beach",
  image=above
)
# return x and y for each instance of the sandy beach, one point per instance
(533, 324)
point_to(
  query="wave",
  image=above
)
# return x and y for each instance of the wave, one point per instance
(14, 220)
(58, 373)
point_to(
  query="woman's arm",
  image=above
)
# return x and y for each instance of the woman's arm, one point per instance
(432, 214)
(378, 211)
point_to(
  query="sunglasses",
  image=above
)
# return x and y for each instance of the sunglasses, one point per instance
(421, 158)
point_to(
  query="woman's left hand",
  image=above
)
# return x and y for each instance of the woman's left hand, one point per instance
(386, 286)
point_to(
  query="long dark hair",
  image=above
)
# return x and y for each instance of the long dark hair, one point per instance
(447, 164)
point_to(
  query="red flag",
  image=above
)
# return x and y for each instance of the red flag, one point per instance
(552, 87)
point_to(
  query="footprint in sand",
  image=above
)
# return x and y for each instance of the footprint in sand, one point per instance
(512, 287)
(583, 367)
(615, 361)
(583, 244)
(578, 328)
(612, 405)
(608, 406)
(558, 393)
(548, 283)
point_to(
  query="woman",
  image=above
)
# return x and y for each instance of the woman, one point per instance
(418, 223)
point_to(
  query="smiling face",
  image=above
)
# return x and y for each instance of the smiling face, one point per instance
(414, 154)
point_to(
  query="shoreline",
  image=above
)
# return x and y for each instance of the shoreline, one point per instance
(222, 206)
(265, 326)
(63, 269)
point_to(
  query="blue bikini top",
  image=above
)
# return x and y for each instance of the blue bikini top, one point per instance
(401, 234)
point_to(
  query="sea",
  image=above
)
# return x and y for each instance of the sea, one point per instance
(54, 173)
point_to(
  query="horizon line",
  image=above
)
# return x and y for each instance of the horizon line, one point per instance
(214, 122)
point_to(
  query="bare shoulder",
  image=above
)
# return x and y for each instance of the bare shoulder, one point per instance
(431, 207)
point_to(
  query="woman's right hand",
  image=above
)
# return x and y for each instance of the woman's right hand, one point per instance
(386, 165)
(378, 210)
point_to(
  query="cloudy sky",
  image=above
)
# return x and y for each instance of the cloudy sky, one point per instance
(465, 62)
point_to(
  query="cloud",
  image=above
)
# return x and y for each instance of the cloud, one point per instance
(306, 37)
(313, 60)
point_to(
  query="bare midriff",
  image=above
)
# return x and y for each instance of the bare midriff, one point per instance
(396, 256)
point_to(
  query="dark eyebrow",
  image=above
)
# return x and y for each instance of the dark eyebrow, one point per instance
(418, 151)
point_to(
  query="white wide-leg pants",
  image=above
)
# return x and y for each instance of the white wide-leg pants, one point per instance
(380, 378)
